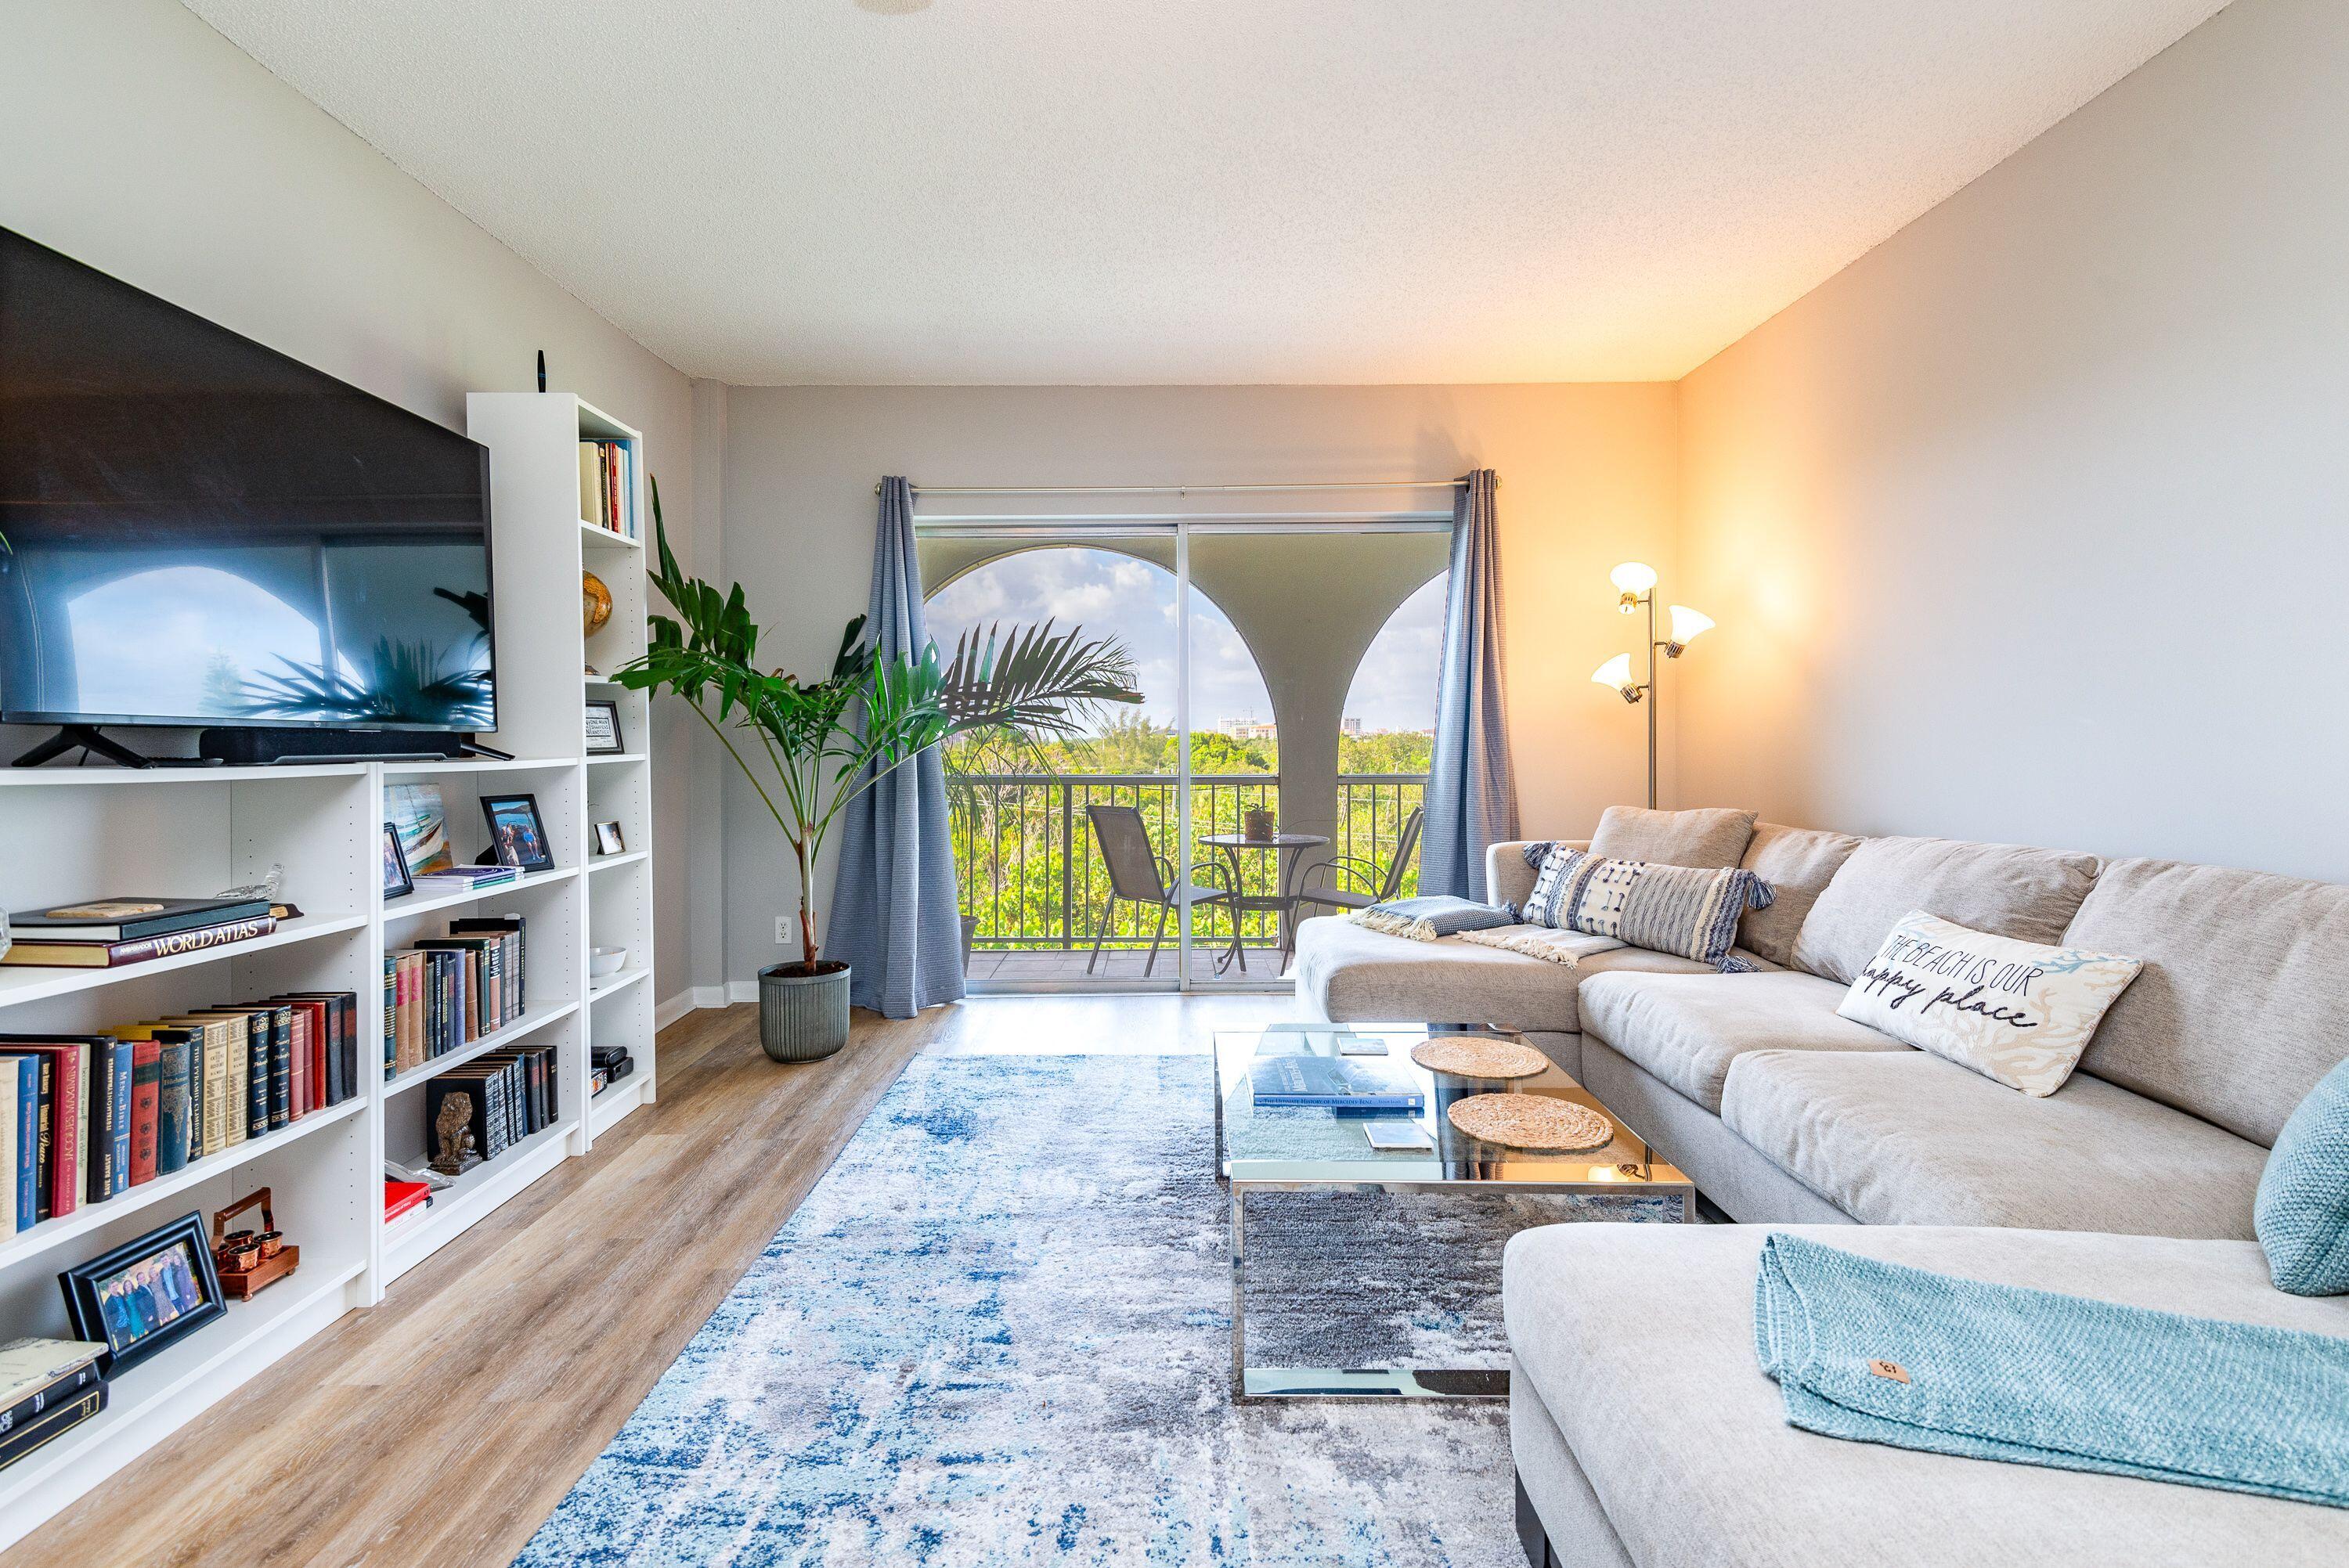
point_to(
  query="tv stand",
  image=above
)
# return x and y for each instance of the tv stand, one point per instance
(80, 736)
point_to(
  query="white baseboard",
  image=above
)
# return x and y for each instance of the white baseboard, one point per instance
(684, 1002)
(742, 990)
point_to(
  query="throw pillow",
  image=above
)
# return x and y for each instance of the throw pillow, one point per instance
(2016, 1012)
(1683, 910)
(2302, 1212)
(1706, 836)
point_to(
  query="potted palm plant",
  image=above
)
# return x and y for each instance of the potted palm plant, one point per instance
(825, 742)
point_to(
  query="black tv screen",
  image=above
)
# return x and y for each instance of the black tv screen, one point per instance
(196, 530)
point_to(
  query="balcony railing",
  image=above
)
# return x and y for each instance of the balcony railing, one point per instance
(1031, 872)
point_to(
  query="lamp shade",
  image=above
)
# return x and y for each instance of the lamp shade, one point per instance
(1615, 674)
(1633, 577)
(1689, 624)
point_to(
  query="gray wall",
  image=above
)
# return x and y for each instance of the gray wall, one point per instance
(2029, 526)
(139, 141)
(1589, 477)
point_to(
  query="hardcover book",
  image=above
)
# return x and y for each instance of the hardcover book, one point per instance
(1346, 1083)
(130, 919)
(108, 955)
(52, 1423)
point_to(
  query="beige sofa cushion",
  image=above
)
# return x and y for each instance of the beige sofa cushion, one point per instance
(1639, 1339)
(1351, 975)
(1911, 1139)
(2243, 1003)
(1797, 863)
(1687, 1032)
(1708, 838)
(2007, 890)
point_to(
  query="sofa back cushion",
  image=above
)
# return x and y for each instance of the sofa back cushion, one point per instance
(2006, 889)
(1710, 836)
(1797, 863)
(2244, 1001)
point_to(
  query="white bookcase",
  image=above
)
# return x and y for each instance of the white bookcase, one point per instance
(74, 833)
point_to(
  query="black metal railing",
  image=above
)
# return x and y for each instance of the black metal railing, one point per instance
(1032, 875)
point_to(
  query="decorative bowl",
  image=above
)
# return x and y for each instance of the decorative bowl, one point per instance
(606, 961)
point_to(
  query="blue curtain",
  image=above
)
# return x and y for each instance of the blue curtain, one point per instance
(893, 912)
(1472, 796)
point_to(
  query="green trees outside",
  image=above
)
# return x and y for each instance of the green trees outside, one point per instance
(1025, 852)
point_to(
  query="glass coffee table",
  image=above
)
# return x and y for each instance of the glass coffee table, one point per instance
(1294, 1148)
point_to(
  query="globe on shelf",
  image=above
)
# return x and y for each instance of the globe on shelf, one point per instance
(597, 603)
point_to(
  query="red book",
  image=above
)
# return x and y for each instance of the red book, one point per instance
(299, 1103)
(146, 1108)
(400, 1197)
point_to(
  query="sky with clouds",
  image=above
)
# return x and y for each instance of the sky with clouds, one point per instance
(1106, 592)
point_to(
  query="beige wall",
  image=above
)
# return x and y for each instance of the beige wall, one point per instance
(139, 141)
(1588, 474)
(2031, 524)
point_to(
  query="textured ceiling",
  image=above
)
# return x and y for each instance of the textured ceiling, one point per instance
(1209, 190)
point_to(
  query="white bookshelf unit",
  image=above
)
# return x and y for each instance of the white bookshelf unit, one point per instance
(72, 834)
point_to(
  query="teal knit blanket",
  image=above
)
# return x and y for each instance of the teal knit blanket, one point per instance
(1874, 1352)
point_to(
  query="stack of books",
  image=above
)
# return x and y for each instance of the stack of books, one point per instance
(104, 933)
(456, 879)
(607, 486)
(443, 993)
(47, 1386)
(85, 1118)
(1344, 1084)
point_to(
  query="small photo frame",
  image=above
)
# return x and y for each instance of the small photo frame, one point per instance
(517, 836)
(608, 841)
(604, 729)
(144, 1295)
(398, 882)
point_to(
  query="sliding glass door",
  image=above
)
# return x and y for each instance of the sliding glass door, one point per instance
(1255, 755)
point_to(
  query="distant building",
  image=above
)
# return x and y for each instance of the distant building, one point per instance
(1251, 729)
(1351, 728)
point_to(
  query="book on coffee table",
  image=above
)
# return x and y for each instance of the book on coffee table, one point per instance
(1340, 1083)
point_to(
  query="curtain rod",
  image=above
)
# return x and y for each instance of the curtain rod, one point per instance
(1176, 489)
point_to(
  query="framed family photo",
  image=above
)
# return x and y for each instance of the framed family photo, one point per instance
(517, 836)
(604, 729)
(145, 1293)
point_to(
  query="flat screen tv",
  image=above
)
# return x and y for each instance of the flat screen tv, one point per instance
(198, 530)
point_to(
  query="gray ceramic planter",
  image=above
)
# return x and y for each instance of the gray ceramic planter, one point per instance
(802, 1017)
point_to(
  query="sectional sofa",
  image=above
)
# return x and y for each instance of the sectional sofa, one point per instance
(1643, 1430)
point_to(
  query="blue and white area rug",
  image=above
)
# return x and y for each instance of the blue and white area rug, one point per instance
(998, 1333)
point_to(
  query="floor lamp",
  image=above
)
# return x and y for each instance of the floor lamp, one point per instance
(1635, 583)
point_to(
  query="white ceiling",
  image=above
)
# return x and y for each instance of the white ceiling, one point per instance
(1088, 191)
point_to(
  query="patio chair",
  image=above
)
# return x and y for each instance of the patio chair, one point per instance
(1137, 875)
(1372, 884)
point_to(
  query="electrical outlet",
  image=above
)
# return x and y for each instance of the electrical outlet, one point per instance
(783, 930)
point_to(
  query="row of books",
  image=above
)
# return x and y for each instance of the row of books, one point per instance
(105, 932)
(443, 993)
(501, 1097)
(607, 486)
(84, 1118)
(47, 1386)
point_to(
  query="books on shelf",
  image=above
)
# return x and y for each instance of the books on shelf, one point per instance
(47, 1385)
(502, 1097)
(1343, 1083)
(462, 879)
(444, 993)
(86, 1117)
(130, 919)
(607, 487)
(53, 954)
(403, 1197)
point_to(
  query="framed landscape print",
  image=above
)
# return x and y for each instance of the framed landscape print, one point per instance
(604, 729)
(517, 836)
(144, 1295)
(423, 826)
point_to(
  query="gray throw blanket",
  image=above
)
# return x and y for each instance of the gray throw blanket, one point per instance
(1425, 918)
(1874, 1352)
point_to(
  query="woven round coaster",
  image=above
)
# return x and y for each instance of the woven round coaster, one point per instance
(1530, 1121)
(1478, 1057)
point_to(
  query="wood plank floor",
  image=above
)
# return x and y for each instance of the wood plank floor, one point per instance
(440, 1426)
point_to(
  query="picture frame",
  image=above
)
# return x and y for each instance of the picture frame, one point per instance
(398, 882)
(517, 833)
(608, 840)
(146, 1294)
(604, 729)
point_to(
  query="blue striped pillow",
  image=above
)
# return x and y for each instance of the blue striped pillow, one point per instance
(1684, 910)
